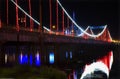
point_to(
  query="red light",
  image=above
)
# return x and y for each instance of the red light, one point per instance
(31, 30)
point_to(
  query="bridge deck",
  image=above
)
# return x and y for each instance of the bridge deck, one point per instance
(58, 43)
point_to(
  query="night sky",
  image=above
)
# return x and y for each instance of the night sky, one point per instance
(87, 12)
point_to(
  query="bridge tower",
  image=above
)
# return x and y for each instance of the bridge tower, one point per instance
(50, 9)
(17, 23)
(40, 28)
(30, 12)
(57, 16)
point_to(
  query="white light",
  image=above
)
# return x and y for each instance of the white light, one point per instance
(37, 56)
(51, 58)
(21, 57)
(111, 59)
(6, 56)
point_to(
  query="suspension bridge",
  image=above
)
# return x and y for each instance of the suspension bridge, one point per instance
(63, 41)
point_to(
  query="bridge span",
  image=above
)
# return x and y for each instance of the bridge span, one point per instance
(83, 50)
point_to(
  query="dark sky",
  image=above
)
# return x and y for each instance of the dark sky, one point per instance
(87, 12)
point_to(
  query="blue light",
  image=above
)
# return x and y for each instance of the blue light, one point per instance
(23, 59)
(97, 27)
(31, 60)
(66, 54)
(37, 60)
(51, 58)
(70, 55)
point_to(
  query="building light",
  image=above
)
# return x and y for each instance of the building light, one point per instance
(66, 54)
(37, 59)
(53, 26)
(31, 59)
(51, 58)
(70, 55)
(6, 58)
(23, 59)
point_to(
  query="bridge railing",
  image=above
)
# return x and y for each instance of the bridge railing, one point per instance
(13, 27)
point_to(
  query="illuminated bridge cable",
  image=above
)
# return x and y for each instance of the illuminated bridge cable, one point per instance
(97, 27)
(97, 35)
(28, 15)
(82, 32)
(92, 31)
